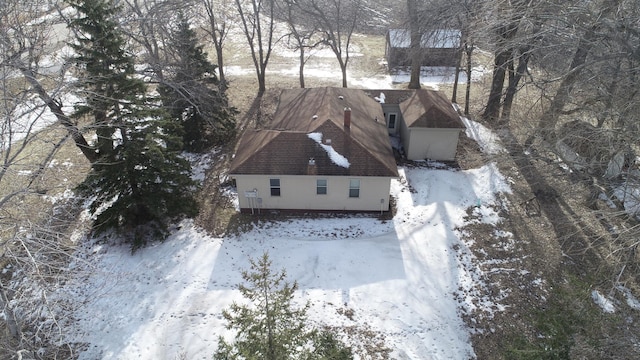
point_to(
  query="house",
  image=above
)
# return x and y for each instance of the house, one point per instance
(326, 149)
(441, 47)
(425, 121)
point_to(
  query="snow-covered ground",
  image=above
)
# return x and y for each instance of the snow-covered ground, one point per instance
(409, 278)
(433, 76)
(430, 77)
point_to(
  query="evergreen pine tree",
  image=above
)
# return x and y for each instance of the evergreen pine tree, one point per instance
(192, 93)
(271, 328)
(106, 83)
(140, 178)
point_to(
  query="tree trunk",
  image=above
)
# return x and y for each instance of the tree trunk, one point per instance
(262, 84)
(611, 89)
(301, 75)
(503, 54)
(415, 46)
(255, 35)
(56, 108)
(221, 77)
(515, 74)
(492, 109)
(550, 117)
(454, 96)
(217, 32)
(343, 69)
(468, 49)
(514, 80)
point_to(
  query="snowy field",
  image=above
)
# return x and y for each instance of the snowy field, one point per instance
(409, 278)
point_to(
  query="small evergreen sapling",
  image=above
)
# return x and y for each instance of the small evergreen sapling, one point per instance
(270, 327)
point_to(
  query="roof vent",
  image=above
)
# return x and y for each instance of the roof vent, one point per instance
(327, 141)
(341, 97)
(314, 117)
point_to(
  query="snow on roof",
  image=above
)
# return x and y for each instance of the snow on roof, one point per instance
(335, 157)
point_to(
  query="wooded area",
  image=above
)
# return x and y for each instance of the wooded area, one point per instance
(137, 88)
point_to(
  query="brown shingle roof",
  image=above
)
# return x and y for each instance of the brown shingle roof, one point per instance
(429, 109)
(422, 107)
(283, 147)
(391, 96)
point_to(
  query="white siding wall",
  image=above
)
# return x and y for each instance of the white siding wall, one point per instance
(405, 136)
(299, 192)
(434, 144)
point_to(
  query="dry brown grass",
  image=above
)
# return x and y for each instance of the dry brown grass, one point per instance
(35, 199)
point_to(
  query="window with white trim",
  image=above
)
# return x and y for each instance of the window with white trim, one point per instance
(275, 187)
(321, 186)
(354, 188)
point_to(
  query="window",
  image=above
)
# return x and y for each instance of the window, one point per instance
(321, 186)
(275, 187)
(354, 188)
(392, 121)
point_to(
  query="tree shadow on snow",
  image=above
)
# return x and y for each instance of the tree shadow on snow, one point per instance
(329, 263)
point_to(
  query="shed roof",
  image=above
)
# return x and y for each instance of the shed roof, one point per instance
(438, 39)
(284, 147)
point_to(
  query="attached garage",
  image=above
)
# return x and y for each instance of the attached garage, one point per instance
(430, 126)
(425, 121)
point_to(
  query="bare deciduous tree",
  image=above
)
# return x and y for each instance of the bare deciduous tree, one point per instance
(505, 29)
(33, 129)
(218, 18)
(23, 44)
(337, 20)
(302, 35)
(585, 46)
(428, 21)
(258, 23)
(415, 47)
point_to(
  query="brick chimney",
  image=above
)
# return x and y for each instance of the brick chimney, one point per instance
(347, 117)
(312, 169)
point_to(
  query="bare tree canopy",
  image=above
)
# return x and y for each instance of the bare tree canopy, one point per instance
(34, 129)
(257, 19)
(218, 15)
(303, 35)
(337, 20)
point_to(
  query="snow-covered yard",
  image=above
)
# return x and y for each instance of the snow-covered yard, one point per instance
(409, 278)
